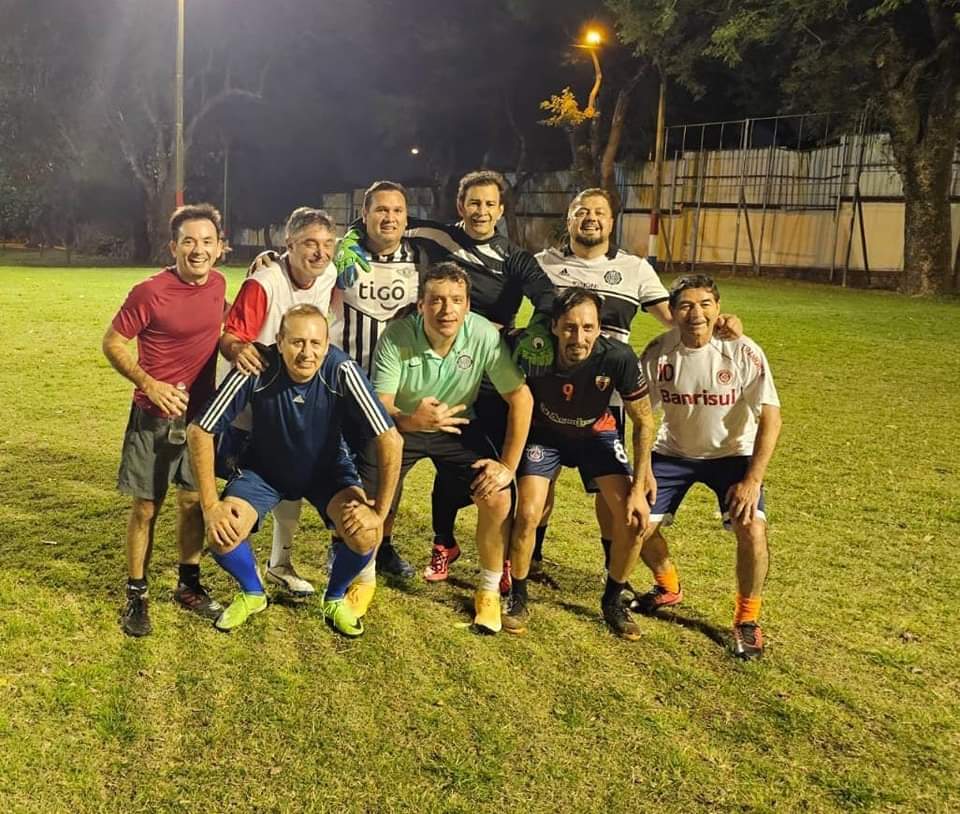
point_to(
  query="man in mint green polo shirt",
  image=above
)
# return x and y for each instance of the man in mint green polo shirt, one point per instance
(427, 371)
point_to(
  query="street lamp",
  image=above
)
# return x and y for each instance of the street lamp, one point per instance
(592, 40)
(178, 143)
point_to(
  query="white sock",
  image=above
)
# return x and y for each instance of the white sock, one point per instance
(489, 580)
(369, 573)
(286, 519)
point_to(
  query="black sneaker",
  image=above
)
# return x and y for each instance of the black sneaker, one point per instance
(747, 641)
(620, 621)
(197, 600)
(390, 562)
(515, 616)
(135, 620)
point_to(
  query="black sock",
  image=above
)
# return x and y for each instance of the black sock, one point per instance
(189, 575)
(444, 516)
(538, 546)
(518, 587)
(611, 593)
(386, 547)
(606, 551)
(138, 585)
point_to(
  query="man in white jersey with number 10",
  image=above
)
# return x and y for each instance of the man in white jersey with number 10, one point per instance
(721, 421)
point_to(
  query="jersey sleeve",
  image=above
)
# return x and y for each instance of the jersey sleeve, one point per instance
(249, 311)
(387, 363)
(650, 290)
(358, 391)
(631, 382)
(759, 388)
(499, 365)
(227, 403)
(135, 313)
(534, 282)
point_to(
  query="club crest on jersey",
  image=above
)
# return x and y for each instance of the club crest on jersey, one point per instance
(724, 376)
(535, 453)
(613, 277)
(464, 362)
(602, 382)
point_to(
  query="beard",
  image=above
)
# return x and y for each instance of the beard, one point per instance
(589, 242)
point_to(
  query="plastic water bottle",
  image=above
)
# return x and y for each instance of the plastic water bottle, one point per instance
(177, 434)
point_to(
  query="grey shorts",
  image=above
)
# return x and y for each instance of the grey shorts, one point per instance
(148, 462)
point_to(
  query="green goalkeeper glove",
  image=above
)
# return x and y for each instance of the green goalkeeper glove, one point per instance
(349, 257)
(534, 351)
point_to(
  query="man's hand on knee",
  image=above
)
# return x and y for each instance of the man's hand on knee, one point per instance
(224, 525)
(492, 477)
(742, 501)
(360, 520)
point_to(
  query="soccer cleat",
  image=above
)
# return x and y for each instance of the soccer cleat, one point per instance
(197, 600)
(135, 619)
(390, 562)
(620, 621)
(340, 616)
(487, 607)
(505, 579)
(440, 560)
(655, 599)
(287, 578)
(359, 596)
(747, 641)
(515, 616)
(244, 605)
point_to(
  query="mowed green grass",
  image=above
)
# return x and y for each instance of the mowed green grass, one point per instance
(855, 707)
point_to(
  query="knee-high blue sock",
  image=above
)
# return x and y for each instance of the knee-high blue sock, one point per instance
(242, 566)
(346, 565)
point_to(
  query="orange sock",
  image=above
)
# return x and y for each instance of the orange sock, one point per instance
(668, 579)
(747, 610)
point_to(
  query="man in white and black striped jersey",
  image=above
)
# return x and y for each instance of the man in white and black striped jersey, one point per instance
(361, 305)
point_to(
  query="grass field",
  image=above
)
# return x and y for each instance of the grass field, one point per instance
(855, 707)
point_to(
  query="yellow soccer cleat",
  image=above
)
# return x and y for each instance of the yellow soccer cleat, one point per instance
(487, 607)
(359, 596)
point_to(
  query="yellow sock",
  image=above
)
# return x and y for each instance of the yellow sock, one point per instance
(668, 579)
(747, 609)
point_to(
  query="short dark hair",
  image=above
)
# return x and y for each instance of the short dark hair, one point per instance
(572, 297)
(304, 309)
(381, 186)
(303, 217)
(481, 178)
(590, 192)
(200, 211)
(693, 281)
(443, 271)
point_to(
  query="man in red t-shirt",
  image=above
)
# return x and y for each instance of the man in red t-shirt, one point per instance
(175, 317)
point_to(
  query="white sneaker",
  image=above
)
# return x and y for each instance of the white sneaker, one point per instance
(288, 579)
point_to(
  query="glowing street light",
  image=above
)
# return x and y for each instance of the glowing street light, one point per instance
(414, 151)
(592, 40)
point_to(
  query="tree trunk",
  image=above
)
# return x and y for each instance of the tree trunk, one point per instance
(158, 206)
(927, 234)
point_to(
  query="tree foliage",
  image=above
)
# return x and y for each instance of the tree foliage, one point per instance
(900, 59)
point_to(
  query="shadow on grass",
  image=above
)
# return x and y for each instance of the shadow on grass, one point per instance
(715, 634)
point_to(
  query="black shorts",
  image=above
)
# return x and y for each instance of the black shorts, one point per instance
(149, 463)
(452, 455)
(594, 456)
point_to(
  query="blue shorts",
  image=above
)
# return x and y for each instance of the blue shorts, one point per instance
(595, 456)
(675, 476)
(249, 486)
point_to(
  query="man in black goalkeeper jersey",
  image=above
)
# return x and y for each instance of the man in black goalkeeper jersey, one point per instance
(573, 426)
